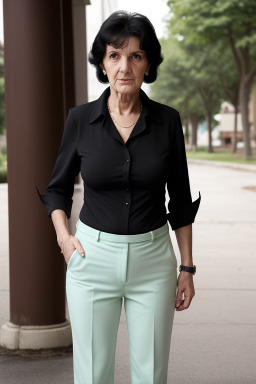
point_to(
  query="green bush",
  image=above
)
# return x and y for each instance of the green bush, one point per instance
(3, 175)
(3, 168)
(4, 151)
(3, 158)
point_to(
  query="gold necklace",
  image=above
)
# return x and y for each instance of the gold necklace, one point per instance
(123, 126)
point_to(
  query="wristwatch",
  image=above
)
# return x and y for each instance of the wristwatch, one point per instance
(188, 269)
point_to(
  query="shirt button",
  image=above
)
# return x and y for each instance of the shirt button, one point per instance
(127, 160)
(126, 203)
(127, 189)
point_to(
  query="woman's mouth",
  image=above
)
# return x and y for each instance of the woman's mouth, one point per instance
(125, 80)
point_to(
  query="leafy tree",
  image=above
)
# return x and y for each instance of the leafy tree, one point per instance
(186, 74)
(231, 21)
(203, 70)
(174, 87)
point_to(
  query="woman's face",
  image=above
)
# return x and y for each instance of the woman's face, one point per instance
(126, 66)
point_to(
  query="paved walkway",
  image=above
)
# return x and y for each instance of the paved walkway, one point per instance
(214, 341)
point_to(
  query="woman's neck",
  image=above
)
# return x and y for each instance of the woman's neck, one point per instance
(124, 103)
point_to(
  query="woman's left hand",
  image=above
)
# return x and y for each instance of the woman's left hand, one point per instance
(185, 285)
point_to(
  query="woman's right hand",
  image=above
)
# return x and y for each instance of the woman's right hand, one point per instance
(69, 246)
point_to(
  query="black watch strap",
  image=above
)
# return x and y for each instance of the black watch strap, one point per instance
(188, 269)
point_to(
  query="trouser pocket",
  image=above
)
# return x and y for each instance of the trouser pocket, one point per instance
(71, 257)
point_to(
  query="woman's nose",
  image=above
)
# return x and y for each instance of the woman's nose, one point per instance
(125, 65)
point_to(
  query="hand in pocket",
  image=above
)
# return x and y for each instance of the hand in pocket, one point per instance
(69, 247)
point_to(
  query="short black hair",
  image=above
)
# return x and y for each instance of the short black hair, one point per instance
(115, 30)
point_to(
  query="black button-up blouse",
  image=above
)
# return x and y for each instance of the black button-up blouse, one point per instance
(124, 183)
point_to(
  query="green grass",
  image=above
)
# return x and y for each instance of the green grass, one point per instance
(220, 156)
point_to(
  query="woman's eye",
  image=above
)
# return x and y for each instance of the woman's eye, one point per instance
(136, 56)
(113, 55)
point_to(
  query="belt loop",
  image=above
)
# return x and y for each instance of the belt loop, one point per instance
(152, 235)
(98, 235)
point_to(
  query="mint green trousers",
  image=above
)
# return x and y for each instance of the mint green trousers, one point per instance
(140, 269)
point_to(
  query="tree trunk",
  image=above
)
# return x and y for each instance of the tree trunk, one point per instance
(235, 130)
(247, 73)
(194, 118)
(244, 92)
(186, 131)
(208, 117)
(207, 98)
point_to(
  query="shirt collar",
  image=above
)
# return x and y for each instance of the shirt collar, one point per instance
(99, 107)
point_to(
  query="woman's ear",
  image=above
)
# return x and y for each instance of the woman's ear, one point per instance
(149, 65)
(103, 69)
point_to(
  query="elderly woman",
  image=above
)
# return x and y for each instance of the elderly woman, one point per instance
(128, 148)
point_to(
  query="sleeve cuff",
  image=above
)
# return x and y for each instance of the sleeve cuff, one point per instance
(184, 215)
(53, 200)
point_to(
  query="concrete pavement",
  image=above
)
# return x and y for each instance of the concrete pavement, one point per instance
(214, 341)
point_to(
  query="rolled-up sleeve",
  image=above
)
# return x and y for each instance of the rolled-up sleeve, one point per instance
(182, 210)
(60, 189)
